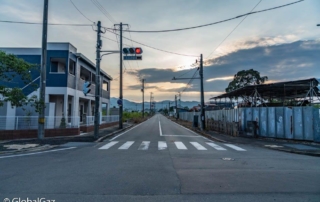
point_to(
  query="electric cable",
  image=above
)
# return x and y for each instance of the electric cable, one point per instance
(154, 47)
(80, 11)
(103, 11)
(40, 23)
(214, 23)
(233, 30)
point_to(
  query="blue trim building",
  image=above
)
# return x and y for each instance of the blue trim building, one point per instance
(67, 70)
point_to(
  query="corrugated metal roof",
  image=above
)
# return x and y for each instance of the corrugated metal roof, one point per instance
(288, 89)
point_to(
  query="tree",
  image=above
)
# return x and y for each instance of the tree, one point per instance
(246, 78)
(11, 70)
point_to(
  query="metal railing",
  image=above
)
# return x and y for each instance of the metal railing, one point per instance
(110, 119)
(31, 122)
(89, 120)
(51, 122)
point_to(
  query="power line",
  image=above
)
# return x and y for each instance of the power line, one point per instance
(80, 11)
(191, 79)
(171, 30)
(214, 23)
(103, 11)
(186, 72)
(40, 23)
(234, 29)
(154, 47)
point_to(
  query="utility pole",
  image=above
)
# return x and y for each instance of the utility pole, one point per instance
(203, 122)
(201, 94)
(142, 89)
(41, 120)
(179, 99)
(150, 101)
(97, 89)
(120, 93)
(175, 99)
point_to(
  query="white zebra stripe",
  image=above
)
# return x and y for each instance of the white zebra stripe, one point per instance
(180, 145)
(162, 145)
(198, 146)
(126, 145)
(144, 145)
(215, 146)
(110, 144)
(235, 147)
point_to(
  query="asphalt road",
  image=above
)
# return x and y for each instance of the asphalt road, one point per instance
(159, 160)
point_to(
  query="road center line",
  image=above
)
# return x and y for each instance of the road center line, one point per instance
(29, 154)
(160, 129)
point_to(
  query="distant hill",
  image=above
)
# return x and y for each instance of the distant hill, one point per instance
(127, 104)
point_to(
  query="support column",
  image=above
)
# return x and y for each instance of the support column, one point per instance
(65, 106)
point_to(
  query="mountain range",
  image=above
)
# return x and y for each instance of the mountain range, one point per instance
(130, 105)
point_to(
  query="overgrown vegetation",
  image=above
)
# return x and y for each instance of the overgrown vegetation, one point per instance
(135, 117)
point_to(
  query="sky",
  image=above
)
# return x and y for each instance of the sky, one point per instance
(283, 44)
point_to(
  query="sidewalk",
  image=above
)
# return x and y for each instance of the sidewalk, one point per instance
(26, 145)
(292, 146)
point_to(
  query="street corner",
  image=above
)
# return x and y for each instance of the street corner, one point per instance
(12, 148)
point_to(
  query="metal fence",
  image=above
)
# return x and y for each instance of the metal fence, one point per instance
(89, 120)
(299, 123)
(51, 122)
(31, 122)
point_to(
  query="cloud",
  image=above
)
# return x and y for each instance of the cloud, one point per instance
(220, 78)
(280, 62)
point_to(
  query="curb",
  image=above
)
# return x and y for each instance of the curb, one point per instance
(296, 152)
(40, 148)
(111, 134)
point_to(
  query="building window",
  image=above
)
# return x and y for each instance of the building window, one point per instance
(93, 80)
(105, 86)
(72, 67)
(58, 65)
(85, 74)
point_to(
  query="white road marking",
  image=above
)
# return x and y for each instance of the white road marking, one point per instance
(162, 145)
(180, 145)
(235, 147)
(126, 131)
(126, 145)
(160, 131)
(198, 146)
(180, 135)
(110, 144)
(28, 154)
(217, 147)
(191, 131)
(144, 145)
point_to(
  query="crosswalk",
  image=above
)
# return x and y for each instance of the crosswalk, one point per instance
(162, 145)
